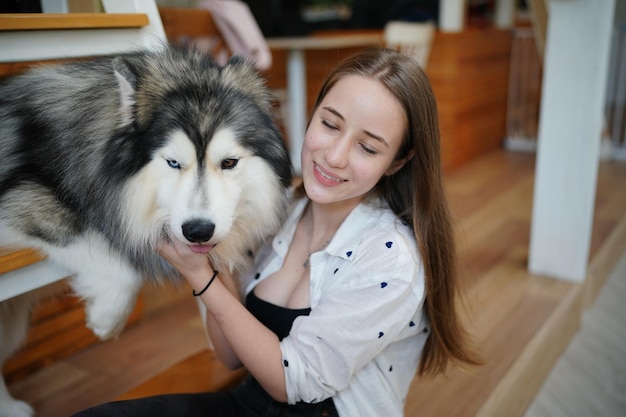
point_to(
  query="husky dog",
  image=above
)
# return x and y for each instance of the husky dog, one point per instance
(101, 159)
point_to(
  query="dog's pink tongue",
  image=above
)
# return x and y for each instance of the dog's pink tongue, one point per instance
(201, 248)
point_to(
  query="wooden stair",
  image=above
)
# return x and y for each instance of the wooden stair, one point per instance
(52, 21)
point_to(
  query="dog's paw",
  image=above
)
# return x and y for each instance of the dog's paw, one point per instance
(105, 320)
(109, 300)
(105, 331)
(10, 407)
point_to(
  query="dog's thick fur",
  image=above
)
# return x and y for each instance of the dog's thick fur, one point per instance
(101, 159)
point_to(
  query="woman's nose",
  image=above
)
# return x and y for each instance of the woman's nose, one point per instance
(337, 153)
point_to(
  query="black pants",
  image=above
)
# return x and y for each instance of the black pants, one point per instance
(247, 400)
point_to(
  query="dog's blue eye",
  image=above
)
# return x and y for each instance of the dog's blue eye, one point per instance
(229, 163)
(173, 163)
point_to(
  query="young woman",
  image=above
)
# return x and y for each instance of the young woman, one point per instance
(356, 292)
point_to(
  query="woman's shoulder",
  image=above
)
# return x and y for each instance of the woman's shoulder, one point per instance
(378, 219)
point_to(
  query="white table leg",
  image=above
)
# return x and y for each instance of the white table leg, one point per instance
(296, 100)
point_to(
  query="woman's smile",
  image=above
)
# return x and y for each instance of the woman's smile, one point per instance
(325, 177)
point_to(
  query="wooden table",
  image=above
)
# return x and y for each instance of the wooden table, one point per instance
(296, 77)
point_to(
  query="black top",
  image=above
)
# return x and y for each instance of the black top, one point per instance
(276, 318)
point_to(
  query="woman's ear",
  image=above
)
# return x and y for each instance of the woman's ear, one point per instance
(399, 163)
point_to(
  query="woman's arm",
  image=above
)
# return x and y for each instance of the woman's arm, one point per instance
(236, 330)
(222, 348)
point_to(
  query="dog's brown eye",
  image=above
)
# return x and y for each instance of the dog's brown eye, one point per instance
(229, 163)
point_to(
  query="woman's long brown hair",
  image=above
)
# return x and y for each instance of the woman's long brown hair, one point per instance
(415, 193)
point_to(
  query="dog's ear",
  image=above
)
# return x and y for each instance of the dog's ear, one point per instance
(127, 82)
(241, 75)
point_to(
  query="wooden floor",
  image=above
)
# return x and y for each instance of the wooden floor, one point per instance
(522, 322)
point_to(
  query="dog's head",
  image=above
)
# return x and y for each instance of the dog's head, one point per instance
(215, 168)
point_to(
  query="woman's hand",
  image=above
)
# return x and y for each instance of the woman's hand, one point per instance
(192, 264)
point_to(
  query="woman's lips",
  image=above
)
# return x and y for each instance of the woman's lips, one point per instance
(325, 177)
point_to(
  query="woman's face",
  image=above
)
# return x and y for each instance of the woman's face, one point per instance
(351, 142)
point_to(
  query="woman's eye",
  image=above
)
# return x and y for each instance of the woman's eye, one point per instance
(369, 150)
(328, 124)
(229, 163)
(173, 163)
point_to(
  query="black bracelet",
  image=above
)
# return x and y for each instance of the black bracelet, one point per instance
(196, 294)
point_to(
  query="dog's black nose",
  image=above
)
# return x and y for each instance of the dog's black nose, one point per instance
(198, 231)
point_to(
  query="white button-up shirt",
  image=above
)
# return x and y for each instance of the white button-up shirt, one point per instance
(363, 339)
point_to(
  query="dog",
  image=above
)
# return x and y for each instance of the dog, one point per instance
(103, 158)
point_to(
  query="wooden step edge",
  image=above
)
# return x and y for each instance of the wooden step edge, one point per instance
(517, 389)
(519, 386)
(57, 21)
(604, 262)
(13, 258)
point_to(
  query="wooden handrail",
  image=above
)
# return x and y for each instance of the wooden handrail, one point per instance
(52, 21)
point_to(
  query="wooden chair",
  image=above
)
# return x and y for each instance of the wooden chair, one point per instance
(411, 38)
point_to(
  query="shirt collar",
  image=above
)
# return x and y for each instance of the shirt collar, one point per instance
(348, 237)
(346, 240)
